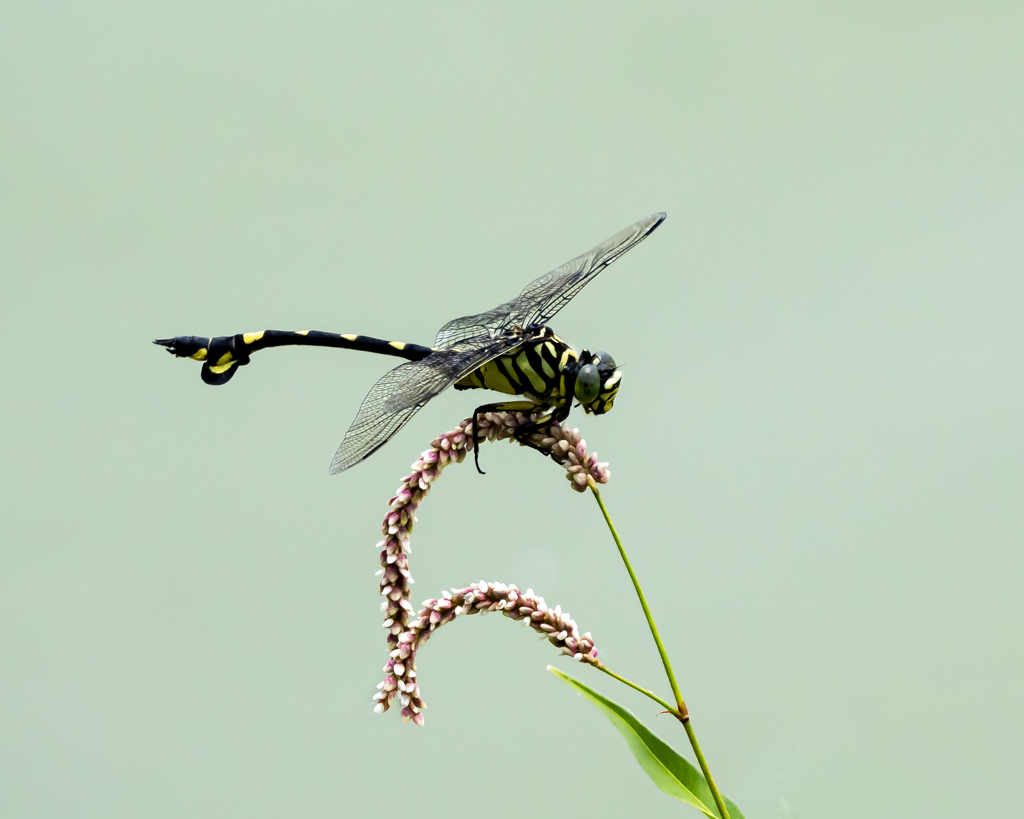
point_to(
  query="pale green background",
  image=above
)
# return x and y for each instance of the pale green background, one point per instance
(817, 451)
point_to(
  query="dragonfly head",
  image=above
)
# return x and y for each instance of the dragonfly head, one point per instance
(597, 382)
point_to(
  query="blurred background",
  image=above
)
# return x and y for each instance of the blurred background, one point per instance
(816, 453)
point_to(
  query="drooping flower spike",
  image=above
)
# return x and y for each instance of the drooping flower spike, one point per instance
(563, 445)
(553, 625)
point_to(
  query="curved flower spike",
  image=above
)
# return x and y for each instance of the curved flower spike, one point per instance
(554, 625)
(565, 446)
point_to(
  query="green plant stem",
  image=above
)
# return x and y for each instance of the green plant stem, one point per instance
(644, 691)
(643, 602)
(680, 711)
(688, 726)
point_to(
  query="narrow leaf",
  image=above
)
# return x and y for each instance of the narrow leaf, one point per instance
(669, 771)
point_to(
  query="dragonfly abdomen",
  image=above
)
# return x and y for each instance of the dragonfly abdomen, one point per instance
(222, 355)
(317, 338)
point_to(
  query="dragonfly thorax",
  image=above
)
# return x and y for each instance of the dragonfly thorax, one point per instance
(540, 368)
(548, 372)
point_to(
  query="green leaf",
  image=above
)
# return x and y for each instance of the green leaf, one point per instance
(670, 772)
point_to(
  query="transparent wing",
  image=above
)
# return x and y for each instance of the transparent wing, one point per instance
(546, 295)
(457, 331)
(402, 392)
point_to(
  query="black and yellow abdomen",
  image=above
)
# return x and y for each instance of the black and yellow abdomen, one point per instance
(221, 356)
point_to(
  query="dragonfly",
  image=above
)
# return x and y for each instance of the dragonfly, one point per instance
(509, 349)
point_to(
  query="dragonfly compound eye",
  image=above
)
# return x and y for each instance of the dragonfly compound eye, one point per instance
(588, 384)
(605, 358)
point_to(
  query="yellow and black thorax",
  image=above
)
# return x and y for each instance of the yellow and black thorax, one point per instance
(547, 371)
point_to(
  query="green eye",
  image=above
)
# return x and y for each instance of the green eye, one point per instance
(588, 384)
(605, 358)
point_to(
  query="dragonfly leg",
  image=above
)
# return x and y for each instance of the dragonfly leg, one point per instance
(523, 432)
(501, 406)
